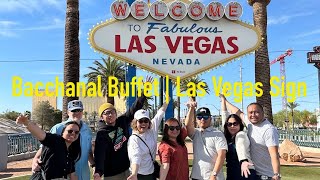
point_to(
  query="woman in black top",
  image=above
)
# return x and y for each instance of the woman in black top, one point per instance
(59, 152)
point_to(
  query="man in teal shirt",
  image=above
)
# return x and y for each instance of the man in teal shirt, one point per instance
(75, 112)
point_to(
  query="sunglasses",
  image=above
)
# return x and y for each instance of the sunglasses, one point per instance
(76, 110)
(143, 121)
(71, 131)
(229, 124)
(171, 128)
(203, 117)
(108, 112)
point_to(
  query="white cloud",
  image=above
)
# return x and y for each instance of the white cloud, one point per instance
(310, 33)
(286, 18)
(29, 6)
(55, 24)
(5, 29)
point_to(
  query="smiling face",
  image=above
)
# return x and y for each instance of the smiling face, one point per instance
(71, 133)
(109, 116)
(173, 129)
(143, 125)
(75, 115)
(203, 121)
(233, 126)
(255, 114)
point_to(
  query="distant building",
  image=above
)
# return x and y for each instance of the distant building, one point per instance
(91, 104)
(37, 99)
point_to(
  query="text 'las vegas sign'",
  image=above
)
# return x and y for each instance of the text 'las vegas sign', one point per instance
(175, 39)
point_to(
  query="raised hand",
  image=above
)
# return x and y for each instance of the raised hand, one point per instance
(191, 104)
(22, 120)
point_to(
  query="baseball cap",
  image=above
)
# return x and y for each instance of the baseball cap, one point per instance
(141, 114)
(75, 104)
(105, 106)
(203, 111)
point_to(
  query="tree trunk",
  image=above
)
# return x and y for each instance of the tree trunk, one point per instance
(71, 51)
(110, 100)
(262, 67)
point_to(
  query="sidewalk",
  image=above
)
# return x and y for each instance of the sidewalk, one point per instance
(19, 168)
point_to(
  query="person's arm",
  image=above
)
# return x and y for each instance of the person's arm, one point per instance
(134, 154)
(273, 151)
(271, 138)
(219, 162)
(73, 176)
(189, 121)
(233, 109)
(224, 112)
(164, 171)
(36, 160)
(156, 121)
(134, 172)
(35, 130)
(91, 161)
(243, 152)
(138, 104)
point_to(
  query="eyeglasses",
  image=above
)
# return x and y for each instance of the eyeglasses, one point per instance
(229, 124)
(108, 112)
(171, 128)
(71, 131)
(143, 121)
(203, 117)
(76, 110)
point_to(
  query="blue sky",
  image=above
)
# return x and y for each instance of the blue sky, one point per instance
(34, 30)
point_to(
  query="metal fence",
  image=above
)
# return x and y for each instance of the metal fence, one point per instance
(306, 138)
(22, 143)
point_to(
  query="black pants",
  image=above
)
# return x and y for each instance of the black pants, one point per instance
(146, 177)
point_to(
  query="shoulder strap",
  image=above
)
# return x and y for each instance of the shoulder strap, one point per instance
(145, 144)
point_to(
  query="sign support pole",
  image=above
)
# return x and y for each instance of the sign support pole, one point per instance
(130, 73)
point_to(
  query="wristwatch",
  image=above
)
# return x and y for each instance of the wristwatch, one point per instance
(214, 173)
(277, 174)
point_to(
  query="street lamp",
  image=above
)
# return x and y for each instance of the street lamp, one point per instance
(217, 110)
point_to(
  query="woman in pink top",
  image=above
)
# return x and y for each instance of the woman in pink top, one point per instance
(173, 152)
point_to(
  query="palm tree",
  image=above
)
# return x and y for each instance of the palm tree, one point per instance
(147, 106)
(292, 106)
(108, 67)
(262, 67)
(184, 87)
(85, 113)
(94, 114)
(71, 50)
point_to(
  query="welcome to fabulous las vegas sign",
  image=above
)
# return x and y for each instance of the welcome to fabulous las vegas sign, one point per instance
(175, 39)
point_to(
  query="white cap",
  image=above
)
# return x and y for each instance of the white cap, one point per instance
(141, 114)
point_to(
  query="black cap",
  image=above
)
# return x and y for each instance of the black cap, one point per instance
(203, 111)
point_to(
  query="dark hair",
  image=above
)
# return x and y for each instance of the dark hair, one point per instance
(226, 131)
(75, 147)
(165, 137)
(257, 104)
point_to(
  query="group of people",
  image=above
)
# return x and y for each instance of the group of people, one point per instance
(67, 151)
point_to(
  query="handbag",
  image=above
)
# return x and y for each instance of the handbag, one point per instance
(156, 172)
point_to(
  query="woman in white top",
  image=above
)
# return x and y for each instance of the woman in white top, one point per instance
(141, 163)
(239, 163)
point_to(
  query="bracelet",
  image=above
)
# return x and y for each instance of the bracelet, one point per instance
(243, 160)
